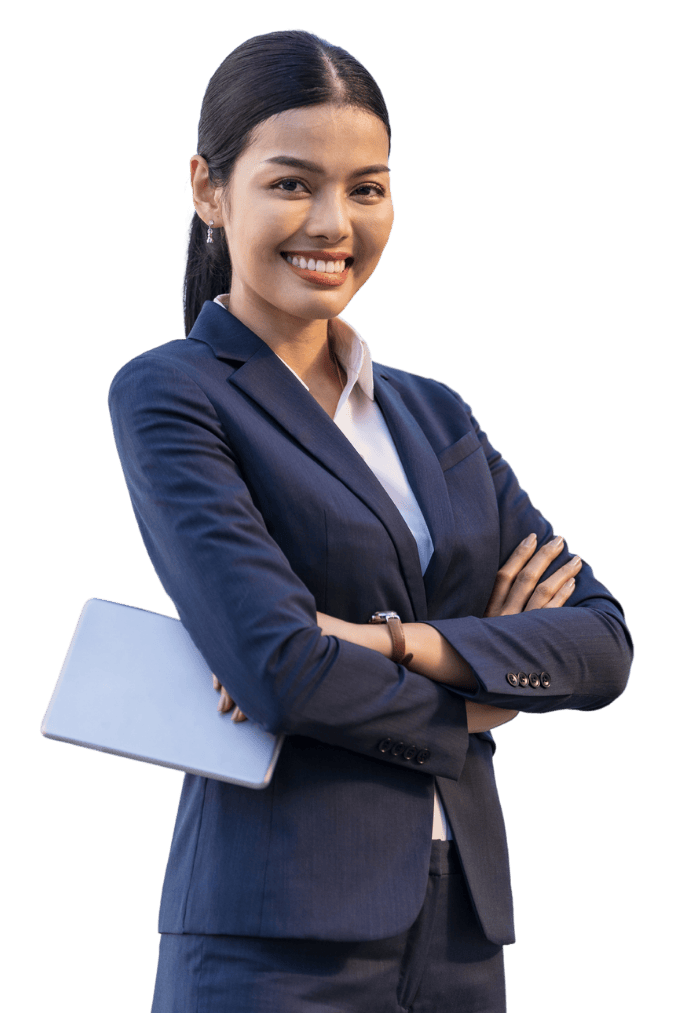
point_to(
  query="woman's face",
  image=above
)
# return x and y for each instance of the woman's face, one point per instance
(313, 183)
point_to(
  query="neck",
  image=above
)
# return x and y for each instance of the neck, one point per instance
(303, 344)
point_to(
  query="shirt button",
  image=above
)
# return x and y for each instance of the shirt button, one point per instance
(534, 680)
(410, 752)
(523, 679)
(384, 744)
(545, 680)
(397, 748)
(512, 678)
(423, 756)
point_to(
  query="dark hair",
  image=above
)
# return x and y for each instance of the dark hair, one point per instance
(265, 75)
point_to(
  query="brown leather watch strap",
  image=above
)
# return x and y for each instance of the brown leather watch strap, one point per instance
(398, 639)
(393, 621)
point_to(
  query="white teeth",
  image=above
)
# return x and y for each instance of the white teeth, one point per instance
(325, 266)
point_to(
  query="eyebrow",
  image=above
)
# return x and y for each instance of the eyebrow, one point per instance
(300, 163)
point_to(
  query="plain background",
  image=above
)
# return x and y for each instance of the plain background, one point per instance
(530, 268)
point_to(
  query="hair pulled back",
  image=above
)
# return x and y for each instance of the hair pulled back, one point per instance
(262, 77)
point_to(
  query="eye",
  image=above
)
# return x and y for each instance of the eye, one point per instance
(375, 188)
(289, 185)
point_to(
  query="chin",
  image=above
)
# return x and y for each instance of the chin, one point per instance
(317, 306)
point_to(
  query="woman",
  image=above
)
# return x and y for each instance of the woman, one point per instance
(358, 566)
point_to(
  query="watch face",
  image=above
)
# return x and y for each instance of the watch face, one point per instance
(387, 615)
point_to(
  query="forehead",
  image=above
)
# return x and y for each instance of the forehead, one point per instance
(333, 136)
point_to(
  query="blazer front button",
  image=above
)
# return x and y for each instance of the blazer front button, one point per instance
(397, 748)
(410, 752)
(534, 680)
(512, 678)
(545, 680)
(384, 744)
(423, 756)
(523, 679)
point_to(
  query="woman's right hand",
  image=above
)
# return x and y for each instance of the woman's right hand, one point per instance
(516, 587)
(515, 590)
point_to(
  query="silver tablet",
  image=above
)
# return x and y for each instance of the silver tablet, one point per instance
(133, 683)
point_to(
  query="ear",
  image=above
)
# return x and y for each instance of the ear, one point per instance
(206, 197)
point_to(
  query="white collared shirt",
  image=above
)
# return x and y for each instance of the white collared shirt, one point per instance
(360, 419)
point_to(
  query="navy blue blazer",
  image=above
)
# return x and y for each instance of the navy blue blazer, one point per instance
(256, 511)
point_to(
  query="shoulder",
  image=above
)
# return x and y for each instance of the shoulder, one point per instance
(414, 385)
(175, 364)
(425, 396)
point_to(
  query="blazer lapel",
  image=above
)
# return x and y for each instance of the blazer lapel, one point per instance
(424, 473)
(264, 378)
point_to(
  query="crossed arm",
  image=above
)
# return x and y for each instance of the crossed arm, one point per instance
(516, 589)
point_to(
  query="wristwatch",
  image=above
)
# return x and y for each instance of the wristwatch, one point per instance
(393, 621)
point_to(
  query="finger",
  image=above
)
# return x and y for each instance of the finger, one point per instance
(216, 684)
(226, 703)
(561, 596)
(507, 574)
(238, 715)
(548, 588)
(526, 580)
(518, 577)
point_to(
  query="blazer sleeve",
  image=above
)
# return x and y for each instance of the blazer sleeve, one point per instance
(248, 613)
(580, 655)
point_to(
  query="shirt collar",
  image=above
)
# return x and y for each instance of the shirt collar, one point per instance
(350, 348)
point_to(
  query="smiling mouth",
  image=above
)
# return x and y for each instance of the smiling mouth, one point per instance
(320, 271)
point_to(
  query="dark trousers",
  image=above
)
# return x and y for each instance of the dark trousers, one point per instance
(442, 964)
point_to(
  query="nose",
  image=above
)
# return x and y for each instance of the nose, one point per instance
(329, 216)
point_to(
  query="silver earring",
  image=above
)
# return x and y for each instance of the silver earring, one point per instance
(209, 234)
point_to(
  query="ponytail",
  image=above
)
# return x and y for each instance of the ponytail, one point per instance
(208, 272)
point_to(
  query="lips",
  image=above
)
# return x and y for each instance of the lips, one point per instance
(322, 259)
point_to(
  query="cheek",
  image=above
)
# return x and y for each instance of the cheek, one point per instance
(374, 237)
(378, 229)
(386, 226)
(266, 229)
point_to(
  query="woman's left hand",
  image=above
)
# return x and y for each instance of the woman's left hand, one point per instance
(226, 703)
(375, 637)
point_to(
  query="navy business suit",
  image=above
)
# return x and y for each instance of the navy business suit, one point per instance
(257, 511)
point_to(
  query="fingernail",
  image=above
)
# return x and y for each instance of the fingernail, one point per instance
(529, 541)
(570, 583)
(576, 560)
(555, 542)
